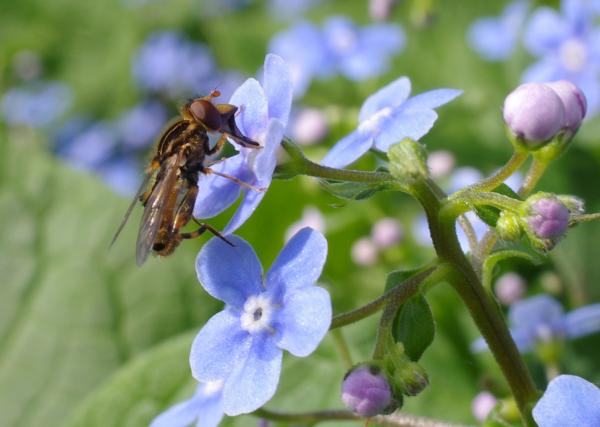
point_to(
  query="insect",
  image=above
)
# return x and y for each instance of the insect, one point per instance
(170, 185)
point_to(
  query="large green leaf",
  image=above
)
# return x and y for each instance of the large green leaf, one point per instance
(414, 326)
(73, 311)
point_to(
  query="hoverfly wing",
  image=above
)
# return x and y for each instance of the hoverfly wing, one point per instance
(155, 208)
(147, 176)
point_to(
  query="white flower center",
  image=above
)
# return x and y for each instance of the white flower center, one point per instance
(257, 315)
(212, 387)
(573, 55)
(373, 122)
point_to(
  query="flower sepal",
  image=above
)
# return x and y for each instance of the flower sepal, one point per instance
(408, 377)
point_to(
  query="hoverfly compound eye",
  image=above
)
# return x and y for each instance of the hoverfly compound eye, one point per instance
(206, 113)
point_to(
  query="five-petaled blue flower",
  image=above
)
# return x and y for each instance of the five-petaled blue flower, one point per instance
(495, 38)
(541, 318)
(568, 46)
(569, 401)
(387, 117)
(357, 53)
(263, 115)
(204, 406)
(284, 310)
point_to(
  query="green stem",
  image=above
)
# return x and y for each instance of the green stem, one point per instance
(342, 347)
(534, 174)
(301, 165)
(576, 219)
(493, 181)
(457, 204)
(394, 420)
(485, 313)
(400, 292)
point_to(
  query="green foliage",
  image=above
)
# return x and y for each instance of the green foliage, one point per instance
(414, 326)
(352, 190)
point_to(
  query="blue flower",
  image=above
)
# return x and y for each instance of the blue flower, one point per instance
(264, 315)
(568, 46)
(90, 147)
(204, 407)
(303, 49)
(264, 111)
(122, 175)
(362, 53)
(387, 117)
(341, 47)
(38, 105)
(569, 401)
(169, 63)
(495, 38)
(290, 9)
(541, 318)
(139, 126)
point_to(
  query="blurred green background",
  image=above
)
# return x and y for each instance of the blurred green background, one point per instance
(89, 339)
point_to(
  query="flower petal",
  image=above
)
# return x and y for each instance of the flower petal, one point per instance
(405, 124)
(299, 263)
(531, 312)
(348, 149)
(254, 381)
(583, 321)
(431, 99)
(229, 273)
(264, 166)
(569, 401)
(390, 95)
(545, 31)
(253, 108)
(219, 347)
(215, 193)
(305, 318)
(181, 415)
(278, 88)
(545, 70)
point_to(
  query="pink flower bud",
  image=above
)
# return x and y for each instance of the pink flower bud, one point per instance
(510, 288)
(573, 101)
(367, 392)
(483, 404)
(549, 218)
(534, 113)
(386, 232)
(364, 252)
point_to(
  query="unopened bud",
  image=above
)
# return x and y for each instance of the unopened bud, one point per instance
(309, 126)
(408, 160)
(508, 226)
(574, 103)
(547, 220)
(483, 404)
(534, 114)
(366, 391)
(410, 378)
(510, 288)
(386, 232)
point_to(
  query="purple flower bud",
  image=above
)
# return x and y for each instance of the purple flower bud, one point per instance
(483, 404)
(386, 233)
(534, 113)
(510, 288)
(573, 101)
(367, 392)
(549, 218)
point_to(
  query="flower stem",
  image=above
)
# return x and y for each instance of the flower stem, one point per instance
(485, 313)
(576, 219)
(342, 347)
(301, 165)
(393, 420)
(398, 293)
(534, 174)
(493, 181)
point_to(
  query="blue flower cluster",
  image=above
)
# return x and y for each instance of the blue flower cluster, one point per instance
(167, 67)
(338, 47)
(566, 43)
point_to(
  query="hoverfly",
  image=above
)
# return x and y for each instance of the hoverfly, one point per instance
(170, 185)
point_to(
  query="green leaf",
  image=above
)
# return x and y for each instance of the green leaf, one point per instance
(414, 326)
(140, 390)
(398, 276)
(408, 160)
(72, 311)
(352, 190)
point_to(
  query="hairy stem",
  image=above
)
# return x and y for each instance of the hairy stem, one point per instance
(342, 347)
(493, 181)
(393, 420)
(398, 293)
(485, 313)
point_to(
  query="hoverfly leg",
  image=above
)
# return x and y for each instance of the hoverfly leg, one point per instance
(203, 228)
(236, 180)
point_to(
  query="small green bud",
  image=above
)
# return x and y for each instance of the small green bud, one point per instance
(575, 205)
(508, 226)
(408, 161)
(411, 379)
